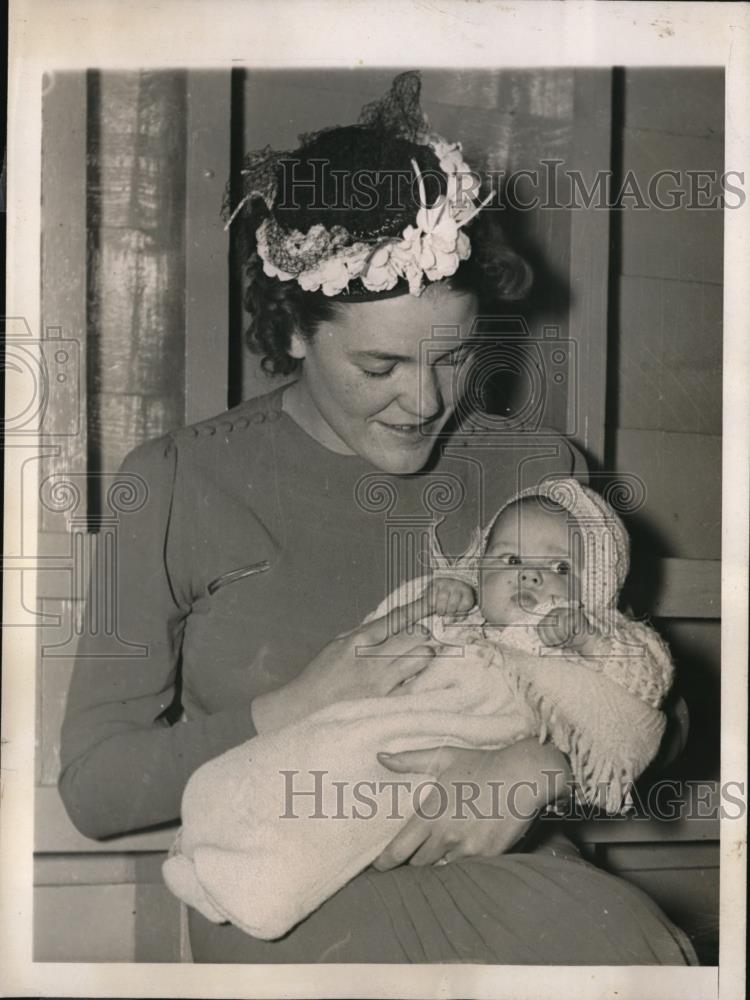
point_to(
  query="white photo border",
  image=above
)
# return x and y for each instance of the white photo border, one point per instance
(405, 34)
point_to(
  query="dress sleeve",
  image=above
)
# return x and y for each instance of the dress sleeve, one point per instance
(123, 766)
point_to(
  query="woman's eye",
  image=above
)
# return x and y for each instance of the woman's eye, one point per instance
(377, 374)
(562, 568)
(454, 358)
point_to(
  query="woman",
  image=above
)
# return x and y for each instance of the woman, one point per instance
(271, 531)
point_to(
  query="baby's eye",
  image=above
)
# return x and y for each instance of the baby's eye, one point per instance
(562, 568)
(512, 560)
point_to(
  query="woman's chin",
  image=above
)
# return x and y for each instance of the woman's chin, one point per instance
(402, 462)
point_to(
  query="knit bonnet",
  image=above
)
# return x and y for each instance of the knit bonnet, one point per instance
(606, 548)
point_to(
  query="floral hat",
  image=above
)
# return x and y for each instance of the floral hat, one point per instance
(364, 247)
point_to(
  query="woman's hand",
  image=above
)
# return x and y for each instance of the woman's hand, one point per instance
(343, 670)
(490, 800)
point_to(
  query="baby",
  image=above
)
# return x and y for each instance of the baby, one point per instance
(545, 575)
(523, 572)
(529, 642)
(525, 579)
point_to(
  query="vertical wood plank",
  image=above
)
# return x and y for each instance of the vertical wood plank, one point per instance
(136, 307)
(651, 102)
(673, 243)
(669, 355)
(590, 151)
(206, 264)
(681, 515)
(63, 273)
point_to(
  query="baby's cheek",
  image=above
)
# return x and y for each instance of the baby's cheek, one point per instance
(560, 587)
(494, 592)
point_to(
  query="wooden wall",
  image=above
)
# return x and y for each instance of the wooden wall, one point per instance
(664, 416)
(664, 425)
(113, 285)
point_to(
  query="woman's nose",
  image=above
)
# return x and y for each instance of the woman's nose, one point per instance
(423, 397)
(531, 577)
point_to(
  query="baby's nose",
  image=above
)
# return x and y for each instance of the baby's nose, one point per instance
(531, 577)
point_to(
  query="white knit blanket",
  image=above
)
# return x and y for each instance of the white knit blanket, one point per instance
(251, 853)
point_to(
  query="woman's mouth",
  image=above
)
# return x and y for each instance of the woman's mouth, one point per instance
(410, 431)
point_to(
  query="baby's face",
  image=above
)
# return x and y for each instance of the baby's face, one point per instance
(528, 562)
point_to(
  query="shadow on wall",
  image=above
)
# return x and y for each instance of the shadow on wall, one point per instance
(696, 649)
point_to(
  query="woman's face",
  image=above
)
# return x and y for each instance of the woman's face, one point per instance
(379, 379)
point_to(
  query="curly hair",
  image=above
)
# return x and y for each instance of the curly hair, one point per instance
(277, 309)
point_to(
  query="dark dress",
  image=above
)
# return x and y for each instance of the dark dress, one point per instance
(254, 548)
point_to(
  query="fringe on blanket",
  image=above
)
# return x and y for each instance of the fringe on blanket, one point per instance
(592, 771)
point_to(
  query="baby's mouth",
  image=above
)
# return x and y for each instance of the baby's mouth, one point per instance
(525, 600)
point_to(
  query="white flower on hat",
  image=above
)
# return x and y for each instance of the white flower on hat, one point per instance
(334, 274)
(383, 268)
(272, 271)
(436, 244)
(450, 155)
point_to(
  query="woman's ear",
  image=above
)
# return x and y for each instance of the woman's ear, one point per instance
(297, 346)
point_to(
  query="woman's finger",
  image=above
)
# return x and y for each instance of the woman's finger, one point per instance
(394, 622)
(455, 854)
(432, 761)
(410, 663)
(403, 845)
(431, 851)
